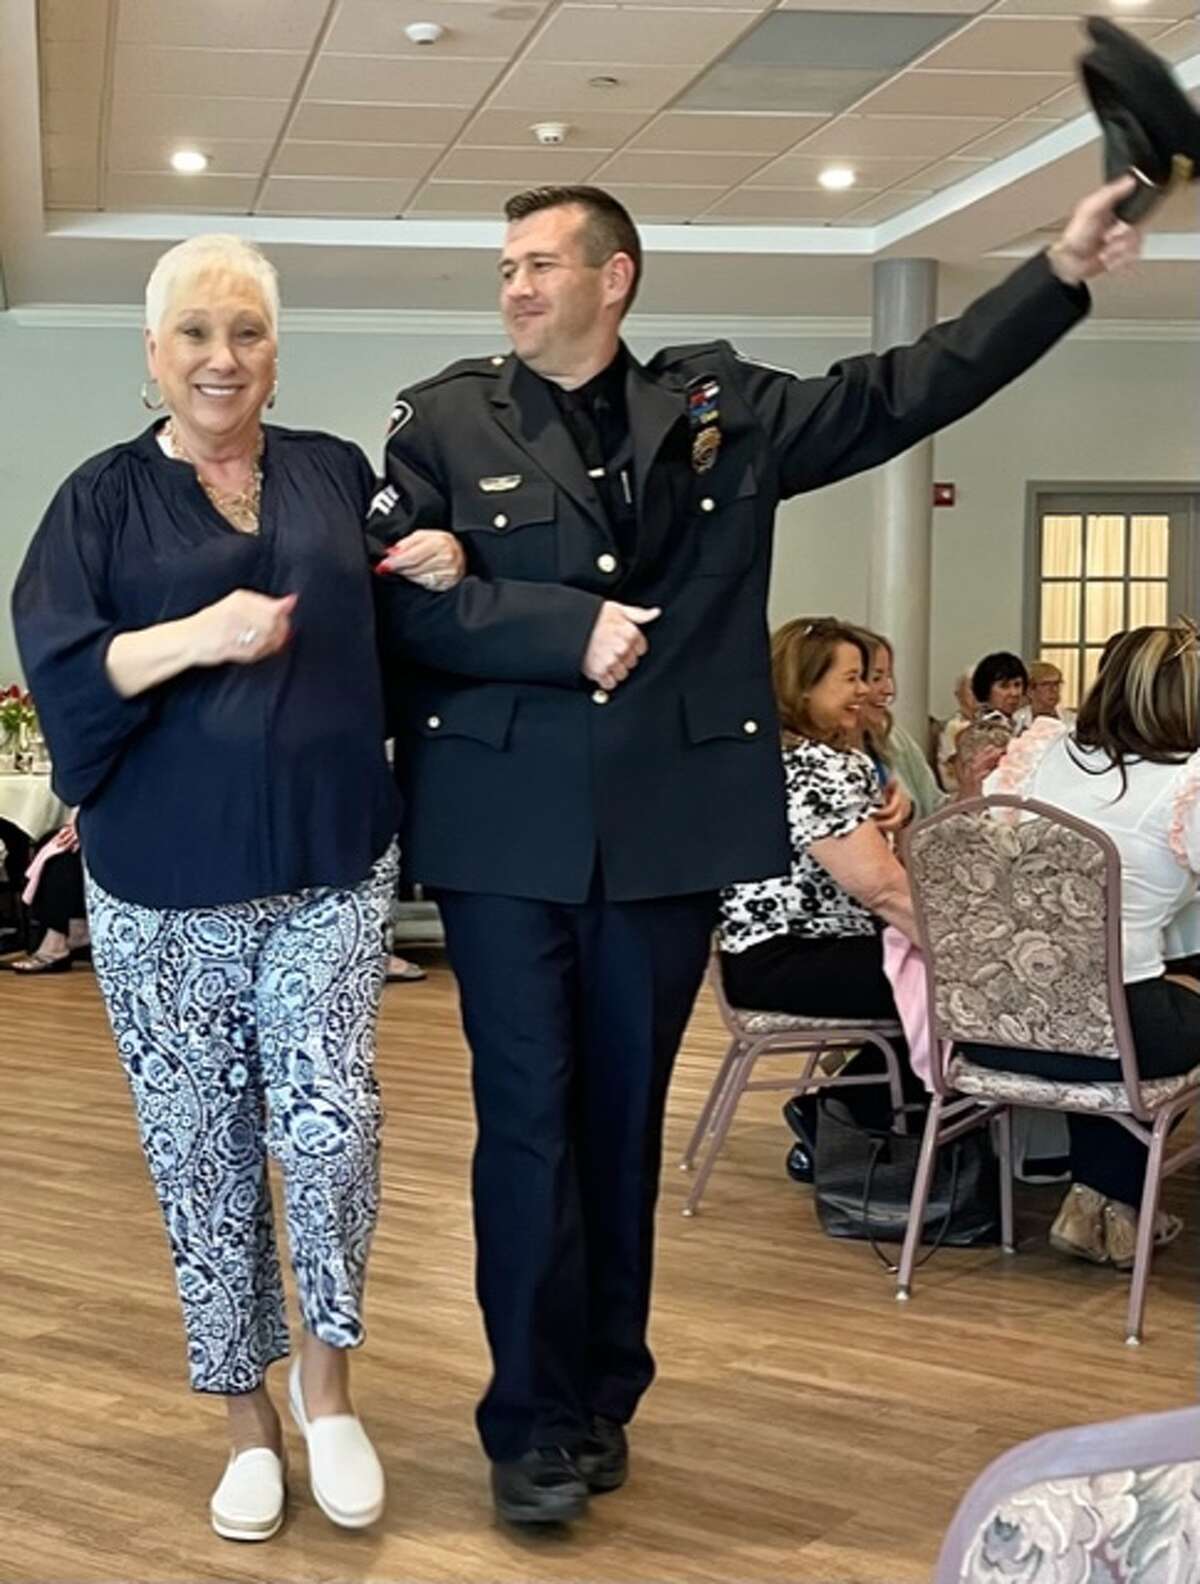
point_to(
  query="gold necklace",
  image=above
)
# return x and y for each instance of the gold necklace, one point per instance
(240, 508)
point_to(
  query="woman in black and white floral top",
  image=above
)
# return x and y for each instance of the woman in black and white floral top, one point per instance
(808, 942)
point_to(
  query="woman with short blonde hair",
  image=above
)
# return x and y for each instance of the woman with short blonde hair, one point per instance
(195, 619)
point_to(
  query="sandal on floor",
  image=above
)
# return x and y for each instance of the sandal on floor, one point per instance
(409, 974)
(35, 963)
(1120, 1232)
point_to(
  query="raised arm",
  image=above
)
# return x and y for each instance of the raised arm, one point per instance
(868, 409)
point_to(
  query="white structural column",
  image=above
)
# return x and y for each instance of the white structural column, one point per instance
(904, 306)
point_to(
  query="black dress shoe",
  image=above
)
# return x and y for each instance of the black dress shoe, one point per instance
(602, 1457)
(543, 1486)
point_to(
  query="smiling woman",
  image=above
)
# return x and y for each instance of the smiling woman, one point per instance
(195, 620)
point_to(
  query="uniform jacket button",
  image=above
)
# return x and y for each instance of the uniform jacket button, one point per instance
(606, 562)
(599, 696)
(708, 504)
(750, 727)
(497, 361)
(434, 722)
(499, 520)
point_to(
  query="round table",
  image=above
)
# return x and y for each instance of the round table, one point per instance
(29, 801)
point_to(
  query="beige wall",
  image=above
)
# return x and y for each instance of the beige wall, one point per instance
(1094, 411)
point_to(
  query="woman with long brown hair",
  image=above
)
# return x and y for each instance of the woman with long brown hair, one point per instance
(1131, 767)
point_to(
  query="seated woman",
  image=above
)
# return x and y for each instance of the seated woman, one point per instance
(54, 896)
(948, 737)
(1130, 767)
(808, 942)
(894, 751)
(999, 683)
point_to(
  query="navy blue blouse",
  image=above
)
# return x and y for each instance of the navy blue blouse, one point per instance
(227, 782)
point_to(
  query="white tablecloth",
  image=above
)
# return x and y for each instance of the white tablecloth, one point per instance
(29, 802)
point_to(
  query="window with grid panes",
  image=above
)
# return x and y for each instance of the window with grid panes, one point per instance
(1100, 573)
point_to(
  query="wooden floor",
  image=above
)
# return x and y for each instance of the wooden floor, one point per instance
(804, 1427)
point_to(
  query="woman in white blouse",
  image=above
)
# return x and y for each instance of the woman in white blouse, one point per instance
(1131, 767)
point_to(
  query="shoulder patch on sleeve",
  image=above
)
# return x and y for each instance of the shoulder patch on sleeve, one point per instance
(400, 415)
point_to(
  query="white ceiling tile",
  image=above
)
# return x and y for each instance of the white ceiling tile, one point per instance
(304, 195)
(700, 133)
(357, 79)
(143, 69)
(200, 194)
(963, 7)
(184, 118)
(895, 136)
(469, 199)
(649, 169)
(532, 87)
(323, 122)
(685, 5)
(602, 129)
(947, 172)
(962, 93)
(1030, 44)
(1006, 139)
(802, 170)
(380, 161)
(607, 38)
(221, 24)
(1064, 105)
(71, 189)
(72, 68)
(228, 156)
(519, 167)
(817, 207)
(1084, 8)
(69, 22)
(479, 31)
(1179, 42)
(73, 114)
(884, 206)
(62, 150)
(649, 205)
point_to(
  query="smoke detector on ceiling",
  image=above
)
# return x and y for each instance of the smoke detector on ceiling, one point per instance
(550, 133)
(424, 32)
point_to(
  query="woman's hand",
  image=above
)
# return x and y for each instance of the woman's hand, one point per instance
(241, 629)
(897, 808)
(975, 772)
(428, 557)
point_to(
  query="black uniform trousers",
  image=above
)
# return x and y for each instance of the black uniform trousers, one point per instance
(574, 1013)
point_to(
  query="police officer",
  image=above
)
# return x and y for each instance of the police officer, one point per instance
(591, 750)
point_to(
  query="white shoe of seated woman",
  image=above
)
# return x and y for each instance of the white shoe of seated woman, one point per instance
(248, 1503)
(343, 1469)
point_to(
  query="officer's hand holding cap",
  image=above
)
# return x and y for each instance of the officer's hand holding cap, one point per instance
(1150, 127)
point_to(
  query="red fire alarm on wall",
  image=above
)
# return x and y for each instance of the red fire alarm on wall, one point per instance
(944, 494)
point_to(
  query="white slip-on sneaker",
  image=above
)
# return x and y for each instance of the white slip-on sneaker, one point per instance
(345, 1474)
(248, 1504)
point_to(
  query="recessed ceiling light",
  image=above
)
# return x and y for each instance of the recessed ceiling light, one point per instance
(836, 178)
(189, 162)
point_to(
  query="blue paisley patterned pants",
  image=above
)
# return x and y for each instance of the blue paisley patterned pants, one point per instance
(245, 1030)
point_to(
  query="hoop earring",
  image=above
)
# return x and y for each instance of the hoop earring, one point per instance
(160, 401)
(274, 396)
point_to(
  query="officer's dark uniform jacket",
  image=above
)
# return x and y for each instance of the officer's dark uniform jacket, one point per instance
(518, 773)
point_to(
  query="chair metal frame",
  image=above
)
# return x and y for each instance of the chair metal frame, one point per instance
(952, 1114)
(811, 1038)
(1146, 1441)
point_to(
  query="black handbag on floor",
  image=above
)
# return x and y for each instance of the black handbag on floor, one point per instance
(864, 1181)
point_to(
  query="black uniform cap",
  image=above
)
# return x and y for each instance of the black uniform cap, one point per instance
(1149, 125)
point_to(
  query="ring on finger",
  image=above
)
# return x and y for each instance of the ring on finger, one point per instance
(247, 636)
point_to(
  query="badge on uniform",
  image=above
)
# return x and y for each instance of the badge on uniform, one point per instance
(704, 415)
(499, 483)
